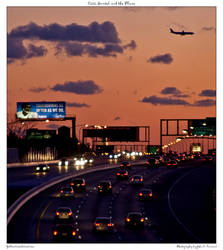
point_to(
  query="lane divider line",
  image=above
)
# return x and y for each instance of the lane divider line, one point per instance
(40, 218)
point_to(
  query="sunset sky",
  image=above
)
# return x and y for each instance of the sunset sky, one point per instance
(114, 66)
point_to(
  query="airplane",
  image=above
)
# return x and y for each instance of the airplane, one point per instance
(182, 33)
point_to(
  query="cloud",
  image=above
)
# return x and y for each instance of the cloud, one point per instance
(79, 49)
(79, 87)
(117, 118)
(16, 50)
(173, 91)
(94, 32)
(166, 59)
(75, 40)
(132, 45)
(38, 90)
(209, 28)
(208, 93)
(163, 101)
(204, 103)
(77, 105)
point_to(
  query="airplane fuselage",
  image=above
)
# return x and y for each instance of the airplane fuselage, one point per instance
(183, 33)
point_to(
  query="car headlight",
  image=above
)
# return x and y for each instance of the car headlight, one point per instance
(90, 160)
(37, 168)
(44, 168)
(66, 163)
(59, 163)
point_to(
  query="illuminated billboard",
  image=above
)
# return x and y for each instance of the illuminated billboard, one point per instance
(111, 133)
(40, 110)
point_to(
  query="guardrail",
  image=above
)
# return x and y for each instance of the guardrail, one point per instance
(36, 190)
(12, 210)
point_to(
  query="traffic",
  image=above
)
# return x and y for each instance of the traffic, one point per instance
(118, 205)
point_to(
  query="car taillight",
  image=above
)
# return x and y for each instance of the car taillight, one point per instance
(125, 174)
(70, 213)
(73, 233)
(83, 184)
(61, 191)
(110, 224)
(57, 213)
(118, 173)
(99, 186)
(127, 219)
(97, 224)
(55, 232)
(142, 220)
(132, 179)
(110, 186)
(72, 191)
(72, 184)
(150, 194)
(121, 165)
(128, 165)
(141, 179)
(140, 194)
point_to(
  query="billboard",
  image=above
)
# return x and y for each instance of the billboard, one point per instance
(40, 110)
(36, 134)
(114, 133)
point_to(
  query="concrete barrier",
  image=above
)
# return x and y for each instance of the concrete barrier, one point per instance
(36, 190)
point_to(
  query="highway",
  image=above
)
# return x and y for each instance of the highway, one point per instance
(23, 178)
(184, 200)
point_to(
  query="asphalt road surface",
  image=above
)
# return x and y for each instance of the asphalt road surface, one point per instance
(178, 214)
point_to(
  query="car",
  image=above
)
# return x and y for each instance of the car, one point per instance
(136, 180)
(78, 184)
(145, 194)
(63, 162)
(42, 168)
(64, 214)
(105, 187)
(171, 164)
(125, 165)
(64, 233)
(122, 174)
(209, 158)
(66, 192)
(134, 219)
(152, 162)
(103, 224)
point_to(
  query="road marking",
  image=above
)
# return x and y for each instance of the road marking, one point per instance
(40, 218)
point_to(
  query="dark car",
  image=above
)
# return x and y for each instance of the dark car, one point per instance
(64, 233)
(42, 168)
(125, 165)
(209, 159)
(103, 224)
(66, 192)
(134, 219)
(105, 187)
(136, 180)
(63, 162)
(122, 175)
(64, 215)
(171, 164)
(78, 184)
(145, 194)
(152, 163)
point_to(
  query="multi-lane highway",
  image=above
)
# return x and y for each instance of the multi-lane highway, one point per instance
(182, 213)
